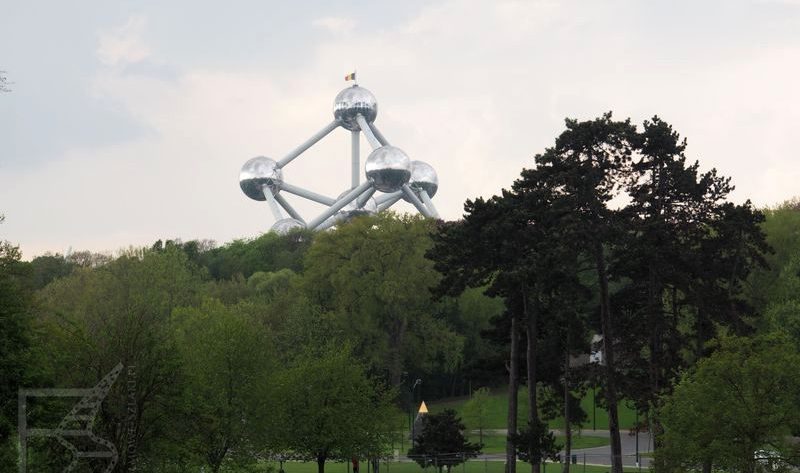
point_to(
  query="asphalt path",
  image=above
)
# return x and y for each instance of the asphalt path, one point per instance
(598, 455)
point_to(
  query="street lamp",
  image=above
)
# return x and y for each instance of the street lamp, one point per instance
(411, 422)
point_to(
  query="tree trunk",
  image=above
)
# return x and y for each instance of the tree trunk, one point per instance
(608, 358)
(321, 463)
(513, 388)
(532, 335)
(707, 466)
(656, 361)
(567, 413)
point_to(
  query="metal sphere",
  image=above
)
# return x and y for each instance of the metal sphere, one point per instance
(350, 210)
(258, 172)
(353, 101)
(287, 225)
(423, 177)
(388, 168)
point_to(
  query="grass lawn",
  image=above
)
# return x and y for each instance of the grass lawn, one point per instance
(497, 443)
(472, 466)
(498, 411)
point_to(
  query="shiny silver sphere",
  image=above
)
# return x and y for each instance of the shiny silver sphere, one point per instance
(388, 168)
(350, 210)
(287, 225)
(423, 177)
(353, 101)
(258, 172)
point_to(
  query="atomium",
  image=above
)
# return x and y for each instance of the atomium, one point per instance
(390, 174)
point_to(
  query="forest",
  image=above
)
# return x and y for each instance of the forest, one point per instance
(307, 345)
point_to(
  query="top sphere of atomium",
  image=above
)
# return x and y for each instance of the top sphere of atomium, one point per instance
(423, 178)
(353, 101)
(388, 168)
(258, 172)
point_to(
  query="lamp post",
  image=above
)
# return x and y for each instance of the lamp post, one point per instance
(637, 438)
(411, 419)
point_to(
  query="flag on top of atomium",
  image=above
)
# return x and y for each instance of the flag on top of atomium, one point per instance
(389, 172)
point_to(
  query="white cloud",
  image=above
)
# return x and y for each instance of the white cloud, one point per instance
(335, 24)
(124, 44)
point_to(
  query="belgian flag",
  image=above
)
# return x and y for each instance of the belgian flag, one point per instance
(351, 76)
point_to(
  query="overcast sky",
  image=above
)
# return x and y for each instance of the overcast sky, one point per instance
(129, 121)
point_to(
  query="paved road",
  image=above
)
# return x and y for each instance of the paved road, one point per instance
(600, 455)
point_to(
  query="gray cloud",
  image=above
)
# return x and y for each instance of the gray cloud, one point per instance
(473, 88)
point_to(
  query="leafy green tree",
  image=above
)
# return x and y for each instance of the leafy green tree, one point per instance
(780, 226)
(329, 409)
(441, 442)
(49, 267)
(15, 342)
(116, 313)
(741, 399)
(476, 410)
(483, 362)
(372, 278)
(269, 252)
(227, 360)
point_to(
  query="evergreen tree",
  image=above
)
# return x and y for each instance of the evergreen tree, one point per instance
(442, 442)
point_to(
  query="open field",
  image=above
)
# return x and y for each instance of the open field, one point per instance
(498, 411)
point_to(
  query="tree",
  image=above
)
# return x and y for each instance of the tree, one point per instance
(682, 259)
(535, 443)
(328, 408)
(49, 267)
(15, 342)
(780, 227)
(269, 252)
(227, 361)
(741, 399)
(120, 312)
(442, 442)
(586, 168)
(476, 410)
(372, 278)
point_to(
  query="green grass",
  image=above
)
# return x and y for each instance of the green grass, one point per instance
(497, 443)
(498, 411)
(472, 466)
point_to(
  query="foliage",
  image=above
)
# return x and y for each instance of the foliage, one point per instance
(535, 443)
(15, 343)
(781, 228)
(476, 410)
(442, 442)
(227, 361)
(329, 408)
(269, 252)
(741, 399)
(372, 278)
(120, 313)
